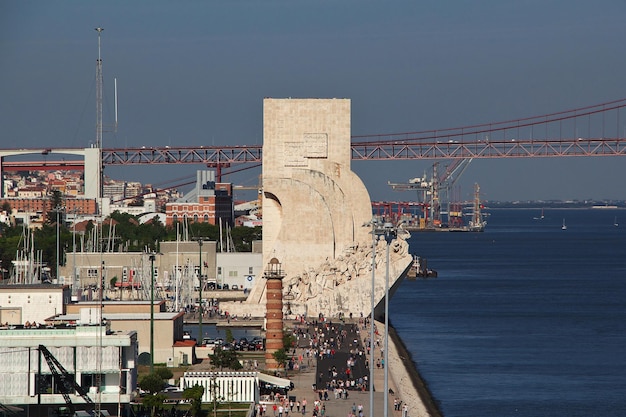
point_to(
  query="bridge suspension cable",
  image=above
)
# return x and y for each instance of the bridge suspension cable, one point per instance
(596, 130)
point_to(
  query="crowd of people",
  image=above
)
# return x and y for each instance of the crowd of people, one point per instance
(335, 348)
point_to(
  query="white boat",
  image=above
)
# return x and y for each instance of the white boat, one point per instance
(615, 223)
(564, 227)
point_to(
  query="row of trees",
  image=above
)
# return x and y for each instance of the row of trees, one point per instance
(129, 235)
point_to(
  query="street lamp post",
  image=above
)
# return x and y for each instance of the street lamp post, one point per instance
(57, 248)
(75, 284)
(390, 234)
(200, 337)
(58, 209)
(371, 381)
(152, 257)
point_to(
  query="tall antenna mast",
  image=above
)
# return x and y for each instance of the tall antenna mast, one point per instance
(99, 94)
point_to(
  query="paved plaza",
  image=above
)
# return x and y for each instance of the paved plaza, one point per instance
(323, 372)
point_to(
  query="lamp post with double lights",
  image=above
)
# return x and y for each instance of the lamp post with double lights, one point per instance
(373, 224)
(390, 232)
(58, 210)
(152, 258)
(200, 309)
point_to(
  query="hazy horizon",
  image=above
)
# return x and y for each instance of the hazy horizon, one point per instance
(195, 73)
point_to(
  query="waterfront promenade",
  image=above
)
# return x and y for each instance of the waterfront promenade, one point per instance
(314, 374)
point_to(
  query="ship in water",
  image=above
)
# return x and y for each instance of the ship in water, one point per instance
(419, 269)
(477, 221)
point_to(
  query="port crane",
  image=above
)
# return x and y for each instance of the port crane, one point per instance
(436, 193)
(67, 382)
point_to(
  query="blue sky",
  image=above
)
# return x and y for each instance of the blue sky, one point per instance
(196, 72)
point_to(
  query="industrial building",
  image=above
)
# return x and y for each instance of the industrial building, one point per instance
(100, 363)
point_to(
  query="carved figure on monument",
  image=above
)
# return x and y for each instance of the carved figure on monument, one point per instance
(355, 266)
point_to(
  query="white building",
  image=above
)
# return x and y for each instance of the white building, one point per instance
(21, 303)
(242, 269)
(238, 387)
(100, 361)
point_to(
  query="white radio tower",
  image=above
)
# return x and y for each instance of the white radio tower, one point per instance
(99, 94)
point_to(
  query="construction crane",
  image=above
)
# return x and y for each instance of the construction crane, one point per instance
(447, 180)
(10, 410)
(67, 383)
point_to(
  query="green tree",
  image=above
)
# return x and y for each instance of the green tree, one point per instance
(154, 402)
(229, 336)
(56, 203)
(152, 383)
(244, 236)
(281, 357)
(10, 242)
(225, 359)
(289, 340)
(194, 394)
(164, 373)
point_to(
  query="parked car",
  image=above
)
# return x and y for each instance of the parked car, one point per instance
(256, 343)
(235, 287)
(209, 342)
(243, 344)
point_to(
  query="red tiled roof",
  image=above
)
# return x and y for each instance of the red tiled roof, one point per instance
(184, 343)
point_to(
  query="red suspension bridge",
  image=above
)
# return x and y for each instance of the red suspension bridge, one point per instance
(596, 130)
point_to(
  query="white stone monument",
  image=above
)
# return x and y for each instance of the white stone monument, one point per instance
(315, 211)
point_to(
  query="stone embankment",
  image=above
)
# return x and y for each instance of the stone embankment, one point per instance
(404, 379)
(410, 385)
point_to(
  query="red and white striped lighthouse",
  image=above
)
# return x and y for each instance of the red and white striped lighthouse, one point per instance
(273, 313)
